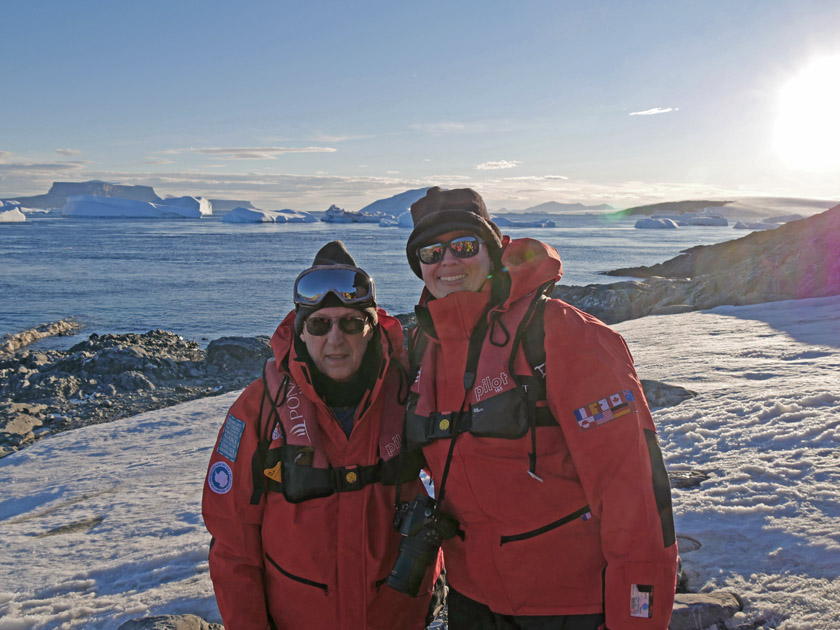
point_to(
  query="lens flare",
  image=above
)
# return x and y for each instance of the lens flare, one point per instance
(807, 134)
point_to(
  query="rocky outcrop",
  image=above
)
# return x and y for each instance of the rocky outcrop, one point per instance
(16, 341)
(170, 622)
(113, 376)
(797, 260)
(57, 196)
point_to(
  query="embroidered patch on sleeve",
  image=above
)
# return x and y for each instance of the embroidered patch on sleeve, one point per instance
(220, 478)
(641, 600)
(604, 410)
(231, 436)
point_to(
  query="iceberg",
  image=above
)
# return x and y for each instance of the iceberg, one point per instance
(655, 224)
(112, 207)
(396, 205)
(247, 215)
(334, 214)
(536, 223)
(759, 225)
(295, 216)
(709, 220)
(10, 212)
(403, 221)
(254, 215)
(390, 212)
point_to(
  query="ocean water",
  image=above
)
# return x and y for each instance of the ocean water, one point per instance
(204, 279)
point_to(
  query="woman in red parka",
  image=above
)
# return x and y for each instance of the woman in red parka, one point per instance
(549, 462)
(300, 490)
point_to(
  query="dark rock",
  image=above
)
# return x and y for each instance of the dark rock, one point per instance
(238, 350)
(660, 394)
(687, 479)
(170, 622)
(112, 376)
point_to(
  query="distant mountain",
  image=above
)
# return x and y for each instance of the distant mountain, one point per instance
(397, 204)
(742, 207)
(555, 207)
(672, 207)
(57, 196)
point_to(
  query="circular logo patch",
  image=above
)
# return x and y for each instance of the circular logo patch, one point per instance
(220, 478)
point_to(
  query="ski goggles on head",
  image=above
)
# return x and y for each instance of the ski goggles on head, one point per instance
(461, 247)
(349, 284)
(349, 324)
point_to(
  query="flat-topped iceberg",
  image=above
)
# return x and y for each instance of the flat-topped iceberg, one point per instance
(756, 225)
(655, 224)
(254, 215)
(515, 223)
(709, 220)
(113, 207)
(334, 214)
(10, 212)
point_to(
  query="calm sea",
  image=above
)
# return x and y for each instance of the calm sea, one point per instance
(203, 279)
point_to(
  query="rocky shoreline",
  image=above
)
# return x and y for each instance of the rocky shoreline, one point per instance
(108, 377)
(797, 260)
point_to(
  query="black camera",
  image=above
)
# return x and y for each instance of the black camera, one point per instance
(423, 528)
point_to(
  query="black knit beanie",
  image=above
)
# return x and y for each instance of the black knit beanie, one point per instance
(332, 254)
(442, 211)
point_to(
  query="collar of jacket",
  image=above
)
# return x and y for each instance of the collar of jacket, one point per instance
(529, 264)
(282, 344)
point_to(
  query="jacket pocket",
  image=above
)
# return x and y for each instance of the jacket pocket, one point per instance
(297, 578)
(545, 528)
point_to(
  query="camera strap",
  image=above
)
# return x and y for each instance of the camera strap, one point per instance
(473, 353)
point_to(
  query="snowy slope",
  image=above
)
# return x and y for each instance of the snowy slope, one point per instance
(102, 524)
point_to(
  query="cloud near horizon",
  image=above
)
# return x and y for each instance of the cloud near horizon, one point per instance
(497, 165)
(654, 111)
(248, 153)
(68, 152)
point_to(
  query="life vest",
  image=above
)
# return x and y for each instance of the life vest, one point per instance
(500, 401)
(298, 466)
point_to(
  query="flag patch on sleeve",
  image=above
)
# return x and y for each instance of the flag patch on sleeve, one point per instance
(604, 410)
(231, 436)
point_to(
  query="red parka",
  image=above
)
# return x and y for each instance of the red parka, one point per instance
(591, 530)
(320, 563)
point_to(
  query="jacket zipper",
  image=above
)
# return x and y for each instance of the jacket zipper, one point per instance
(545, 528)
(296, 578)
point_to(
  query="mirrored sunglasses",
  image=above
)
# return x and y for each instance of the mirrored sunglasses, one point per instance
(349, 284)
(461, 247)
(349, 324)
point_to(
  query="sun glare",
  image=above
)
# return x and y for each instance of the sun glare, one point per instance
(808, 127)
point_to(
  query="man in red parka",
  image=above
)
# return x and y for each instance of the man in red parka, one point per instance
(300, 491)
(537, 434)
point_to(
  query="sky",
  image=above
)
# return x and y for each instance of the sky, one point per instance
(304, 105)
(103, 524)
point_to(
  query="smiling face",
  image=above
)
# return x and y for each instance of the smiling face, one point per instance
(451, 274)
(337, 355)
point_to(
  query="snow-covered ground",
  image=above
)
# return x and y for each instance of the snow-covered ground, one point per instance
(103, 524)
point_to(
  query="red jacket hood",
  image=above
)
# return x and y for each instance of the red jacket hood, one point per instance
(530, 264)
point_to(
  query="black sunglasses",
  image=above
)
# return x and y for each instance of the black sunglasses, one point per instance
(349, 324)
(461, 247)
